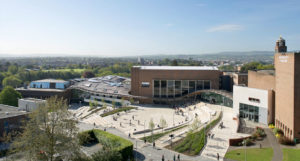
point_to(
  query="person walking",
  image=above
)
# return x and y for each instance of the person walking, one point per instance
(218, 156)
(174, 157)
(178, 157)
(163, 158)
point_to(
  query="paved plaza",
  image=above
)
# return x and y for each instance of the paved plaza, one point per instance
(138, 120)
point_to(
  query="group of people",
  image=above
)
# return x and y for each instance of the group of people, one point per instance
(174, 157)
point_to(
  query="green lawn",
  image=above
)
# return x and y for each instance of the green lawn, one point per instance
(291, 154)
(252, 154)
(78, 70)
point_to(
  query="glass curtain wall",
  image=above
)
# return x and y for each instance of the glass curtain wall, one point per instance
(178, 88)
(163, 88)
(171, 86)
(249, 112)
(156, 88)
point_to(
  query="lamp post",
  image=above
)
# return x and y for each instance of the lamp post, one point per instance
(173, 118)
(144, 127)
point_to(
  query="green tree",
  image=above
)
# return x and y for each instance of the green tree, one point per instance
(151, 127)
(11, 81)
(103, 103)
(49, 134)
(9, 96)
(174, 63)
(163, 123)
(13, 69)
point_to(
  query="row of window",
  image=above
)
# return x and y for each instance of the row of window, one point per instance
(287, 131)
(178, 88)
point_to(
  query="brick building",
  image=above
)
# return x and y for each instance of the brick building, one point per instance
(166, 83)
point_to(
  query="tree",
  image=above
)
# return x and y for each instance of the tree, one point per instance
(103, 103)
(195, 125)
(13, 69)
(113, 103)
(163, 123)
(11, 81)
(131, 100)
(151, 127)
(95, 103)
(88, 74)
(174, 63)
(9, 96)
(49, 134)
(123, 102)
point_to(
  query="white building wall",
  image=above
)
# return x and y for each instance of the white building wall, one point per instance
(241, 95)
(29, 104)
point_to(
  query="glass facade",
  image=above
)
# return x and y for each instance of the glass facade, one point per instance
(215, 98)
(249, 112)
(178, 88)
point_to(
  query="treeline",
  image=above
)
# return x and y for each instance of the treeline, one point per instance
(17, 76)
(248, 66)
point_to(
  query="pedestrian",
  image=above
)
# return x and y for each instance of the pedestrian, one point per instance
(129, 135)
(174, 157)
(105, 129)
(259, 146)
(218, 156)
(178, 157)
(120, 123)
(145, 141)
(94, 124)
(163, 158)
(153, 144)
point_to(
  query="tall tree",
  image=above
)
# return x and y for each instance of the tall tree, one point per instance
(151, 127)
(11, 81)
(49, 134)
(9, 96)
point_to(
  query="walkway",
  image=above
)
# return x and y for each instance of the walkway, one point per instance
(145, 151)
(277, 155)
(220, 141)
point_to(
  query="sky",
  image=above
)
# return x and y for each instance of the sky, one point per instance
(145, 27)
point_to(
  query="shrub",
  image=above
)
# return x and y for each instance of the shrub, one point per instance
(254, 136)
(277, 131)
(248, 142)
(285, 141)
(86, 138)
(271, 126)
(260, 132)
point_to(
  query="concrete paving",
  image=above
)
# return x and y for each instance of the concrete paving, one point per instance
(219, 143)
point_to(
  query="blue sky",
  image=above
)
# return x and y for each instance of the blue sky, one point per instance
(143, 27)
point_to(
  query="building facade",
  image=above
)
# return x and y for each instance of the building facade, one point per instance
(30, 104)
(49, 84)
(253, 104)
(169, 82)
(287, 100)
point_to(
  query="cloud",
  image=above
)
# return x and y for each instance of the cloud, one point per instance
(225, 28)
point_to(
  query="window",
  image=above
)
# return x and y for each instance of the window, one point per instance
(156, 88)
(145, 84)
(177, 88)
(163, 88)
(254, 100)
(185, 87)
(192, 86)
(171, 85)
(206, 84)
(199, 85)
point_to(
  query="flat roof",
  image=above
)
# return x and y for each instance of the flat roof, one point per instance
(51, 81)
(177, 67)
(32, 99)
(10, 111)
(110, 84)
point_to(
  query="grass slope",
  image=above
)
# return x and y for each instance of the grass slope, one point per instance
(291, 154)
(253, 154)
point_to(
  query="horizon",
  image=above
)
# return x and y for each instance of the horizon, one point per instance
(139, 28)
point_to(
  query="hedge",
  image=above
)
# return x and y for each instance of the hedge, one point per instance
(123, 146)
(116, 111)
(192, 144)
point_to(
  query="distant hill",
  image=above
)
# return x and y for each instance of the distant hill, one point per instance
(265, 56)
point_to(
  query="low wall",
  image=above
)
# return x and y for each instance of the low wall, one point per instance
(235, 141)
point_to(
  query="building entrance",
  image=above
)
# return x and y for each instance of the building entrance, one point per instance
(249, 112)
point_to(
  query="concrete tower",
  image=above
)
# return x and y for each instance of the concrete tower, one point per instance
(280, 46)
